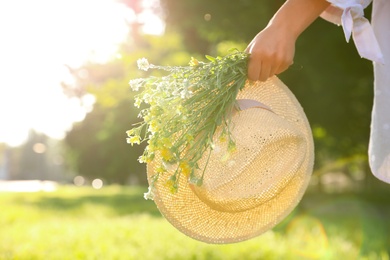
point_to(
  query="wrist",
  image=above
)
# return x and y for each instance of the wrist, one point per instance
(284, 28)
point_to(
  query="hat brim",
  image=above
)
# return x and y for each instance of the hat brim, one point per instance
(195, 218)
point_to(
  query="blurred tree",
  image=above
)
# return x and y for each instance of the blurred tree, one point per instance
(204, 23)
(39, 158)
(99, 149)
(33, 160)
(4, 162)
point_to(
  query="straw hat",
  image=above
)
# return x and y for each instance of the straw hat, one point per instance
(252, 190)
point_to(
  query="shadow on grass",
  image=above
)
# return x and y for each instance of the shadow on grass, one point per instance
(122, 202)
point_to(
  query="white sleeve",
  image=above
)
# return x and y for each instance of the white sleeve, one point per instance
(379, 148)
(350, 14)
(333, 14)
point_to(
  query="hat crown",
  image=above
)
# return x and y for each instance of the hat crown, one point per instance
(270, 150)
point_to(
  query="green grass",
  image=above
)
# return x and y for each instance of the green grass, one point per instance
(117, 223)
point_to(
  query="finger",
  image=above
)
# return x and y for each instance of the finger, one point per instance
(265, 71)
(254, 68)
(273, 71)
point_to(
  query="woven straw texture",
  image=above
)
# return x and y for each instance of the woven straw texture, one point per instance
(251, 190)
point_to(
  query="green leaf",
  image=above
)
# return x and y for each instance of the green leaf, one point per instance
(233, 49)
(210, 58)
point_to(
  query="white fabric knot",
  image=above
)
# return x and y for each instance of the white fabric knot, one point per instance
(351, 16)
(354, 23)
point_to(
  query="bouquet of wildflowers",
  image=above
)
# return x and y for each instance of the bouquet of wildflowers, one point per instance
(184, 110)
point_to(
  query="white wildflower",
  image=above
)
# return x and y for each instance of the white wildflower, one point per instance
(162, 86)
(185, 93)
(150, 194)
(137, 102)
(176, 92)
(142, 159)
(135, 84)
(143, 64)
(147, 98)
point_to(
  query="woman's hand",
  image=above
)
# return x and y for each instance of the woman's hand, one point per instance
(271, 52)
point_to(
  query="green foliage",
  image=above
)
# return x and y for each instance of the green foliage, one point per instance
(117, 223)
(204, 23)
(98, 146)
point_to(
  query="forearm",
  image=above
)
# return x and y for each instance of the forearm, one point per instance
(296, 15)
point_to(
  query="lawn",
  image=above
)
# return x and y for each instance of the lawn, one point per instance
(117, 223)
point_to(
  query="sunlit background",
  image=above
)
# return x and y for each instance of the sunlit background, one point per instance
(38, 38)
(72, 188)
